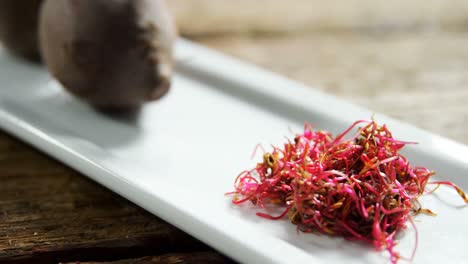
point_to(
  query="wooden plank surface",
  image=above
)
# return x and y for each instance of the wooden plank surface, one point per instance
(212, 17)
(406, 59)
(186, 258)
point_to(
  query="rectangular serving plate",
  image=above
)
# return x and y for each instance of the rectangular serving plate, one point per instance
(180, 155)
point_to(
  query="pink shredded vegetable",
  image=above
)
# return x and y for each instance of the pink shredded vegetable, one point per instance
(361, 188)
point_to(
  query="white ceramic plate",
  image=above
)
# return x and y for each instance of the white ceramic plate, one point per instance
(182, 153)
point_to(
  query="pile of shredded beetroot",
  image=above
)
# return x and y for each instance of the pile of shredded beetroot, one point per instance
(360, 188)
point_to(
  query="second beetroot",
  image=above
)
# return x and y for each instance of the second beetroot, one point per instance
(113, 54)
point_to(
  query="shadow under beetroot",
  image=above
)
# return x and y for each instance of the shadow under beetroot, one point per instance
(30, 93)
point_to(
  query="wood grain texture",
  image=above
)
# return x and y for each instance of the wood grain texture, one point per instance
(180, 258)
(208, 17)
(50, 213)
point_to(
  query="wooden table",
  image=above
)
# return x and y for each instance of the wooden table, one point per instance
(50, 213)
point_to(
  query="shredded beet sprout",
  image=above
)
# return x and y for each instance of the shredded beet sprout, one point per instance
(360, 188)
